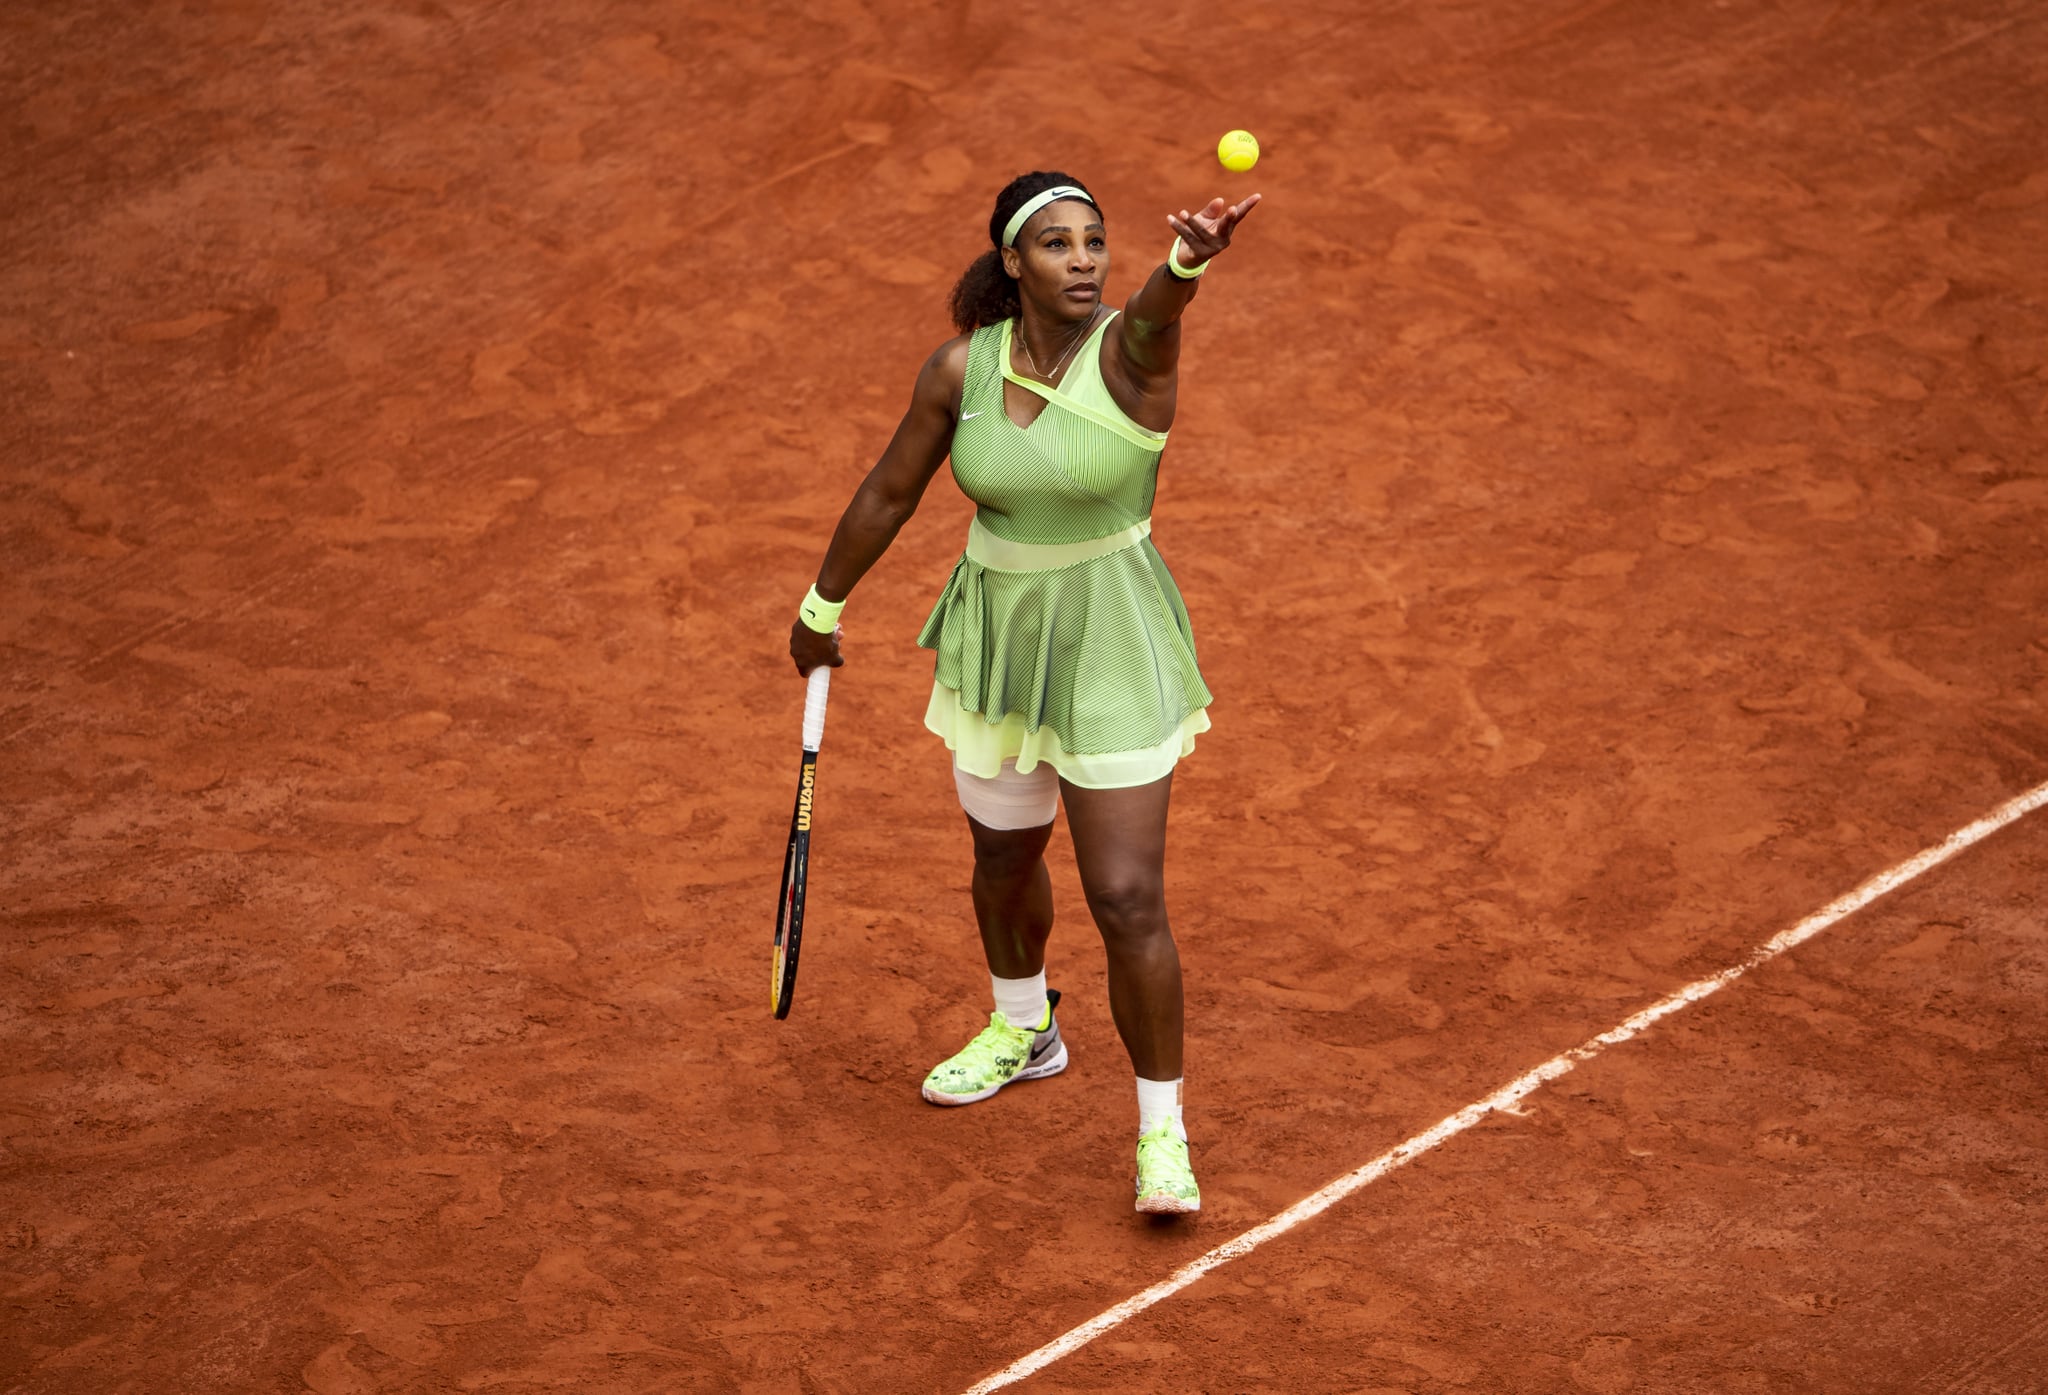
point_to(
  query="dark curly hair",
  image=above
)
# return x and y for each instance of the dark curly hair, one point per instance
(985, 293)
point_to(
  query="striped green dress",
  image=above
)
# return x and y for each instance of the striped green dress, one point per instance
(1060, 635)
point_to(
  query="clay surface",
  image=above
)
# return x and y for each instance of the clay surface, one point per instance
(1610, 490)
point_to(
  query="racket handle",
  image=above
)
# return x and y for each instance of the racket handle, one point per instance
(814, 706)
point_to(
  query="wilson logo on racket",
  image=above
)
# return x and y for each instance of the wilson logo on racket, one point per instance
(803, 800)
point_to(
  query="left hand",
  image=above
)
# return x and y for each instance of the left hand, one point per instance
(1206, 233)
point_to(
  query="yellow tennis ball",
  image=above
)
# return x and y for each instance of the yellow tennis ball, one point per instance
(1239, 151)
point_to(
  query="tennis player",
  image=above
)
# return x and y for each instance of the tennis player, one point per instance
(1066, 663)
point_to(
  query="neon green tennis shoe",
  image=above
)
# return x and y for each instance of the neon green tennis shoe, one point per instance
(999, 1055)
(1166, 1180)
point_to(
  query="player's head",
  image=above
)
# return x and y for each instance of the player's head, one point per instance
(1032, 199)
(1047, 238)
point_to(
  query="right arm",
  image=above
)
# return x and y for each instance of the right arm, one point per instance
(888, 496)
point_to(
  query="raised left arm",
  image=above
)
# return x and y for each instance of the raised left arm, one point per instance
(1150, 328)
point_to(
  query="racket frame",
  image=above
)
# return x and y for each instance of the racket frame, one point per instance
(789, 911)
(796, 859)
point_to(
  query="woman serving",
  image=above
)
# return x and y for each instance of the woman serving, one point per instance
(1066, 663)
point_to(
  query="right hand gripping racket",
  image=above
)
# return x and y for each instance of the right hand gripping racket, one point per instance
(789, 910)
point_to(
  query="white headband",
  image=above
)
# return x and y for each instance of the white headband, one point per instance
(1032, 205)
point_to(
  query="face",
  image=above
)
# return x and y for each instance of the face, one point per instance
(1061, 259)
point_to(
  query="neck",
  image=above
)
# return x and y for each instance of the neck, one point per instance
(1047, 342)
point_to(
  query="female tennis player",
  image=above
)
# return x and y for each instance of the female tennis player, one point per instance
(1066, 663)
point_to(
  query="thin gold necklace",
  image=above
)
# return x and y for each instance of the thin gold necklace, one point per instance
(1079, 335)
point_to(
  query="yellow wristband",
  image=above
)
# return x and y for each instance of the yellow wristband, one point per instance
(819, 614)
(1185, 273)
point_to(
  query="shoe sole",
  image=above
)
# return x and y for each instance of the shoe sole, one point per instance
(1167, 1206)
(1051, 1065)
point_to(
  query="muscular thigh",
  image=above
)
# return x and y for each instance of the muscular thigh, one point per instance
(1120, 838)
(1010, 816)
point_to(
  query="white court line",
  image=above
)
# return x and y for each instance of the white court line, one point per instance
(1508, 1094)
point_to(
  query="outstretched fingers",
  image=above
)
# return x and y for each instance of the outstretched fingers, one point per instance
(1208, 232)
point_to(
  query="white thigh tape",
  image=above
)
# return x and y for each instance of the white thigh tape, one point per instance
(1010, 800)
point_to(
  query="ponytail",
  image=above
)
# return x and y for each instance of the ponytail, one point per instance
(986, 294)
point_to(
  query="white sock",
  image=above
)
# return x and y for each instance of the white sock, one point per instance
(1159, 1100)
(1021, 1000)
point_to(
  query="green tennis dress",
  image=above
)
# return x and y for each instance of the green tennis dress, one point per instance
(1060, 634)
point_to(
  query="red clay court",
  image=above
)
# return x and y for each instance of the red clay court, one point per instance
(1611, 493)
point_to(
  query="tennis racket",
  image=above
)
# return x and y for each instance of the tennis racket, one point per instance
(796, 863)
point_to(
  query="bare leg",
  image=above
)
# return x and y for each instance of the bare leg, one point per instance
(1012, 897)
(1120, 846)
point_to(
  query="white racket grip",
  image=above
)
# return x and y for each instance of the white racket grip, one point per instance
(814, 705)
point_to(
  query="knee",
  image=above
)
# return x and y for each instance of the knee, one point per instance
(1129, 910)
(1007, 861)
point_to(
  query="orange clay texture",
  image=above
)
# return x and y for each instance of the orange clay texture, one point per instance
(1609, 491)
